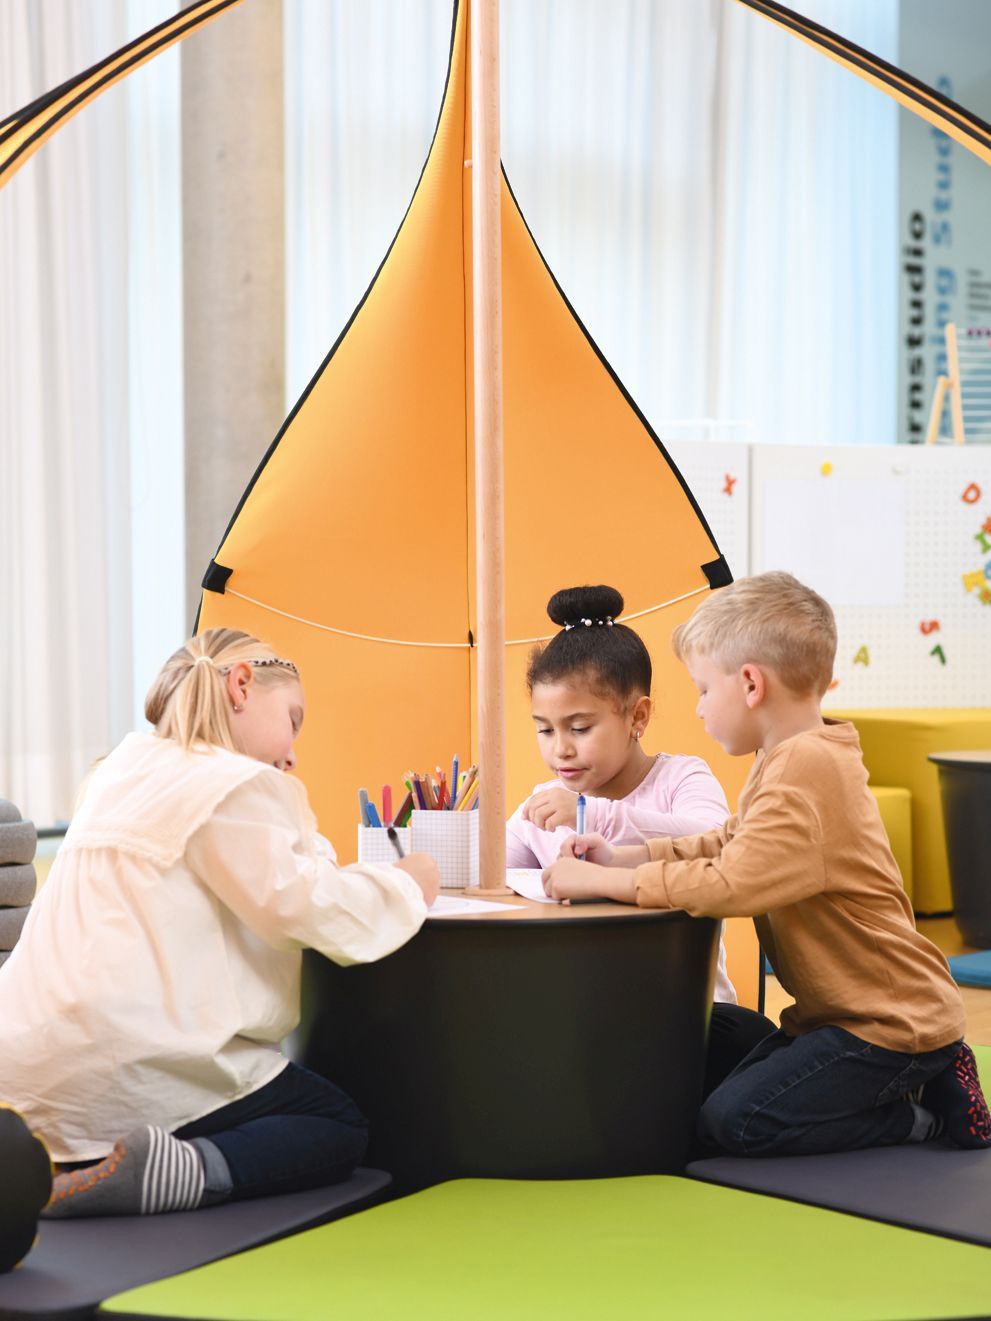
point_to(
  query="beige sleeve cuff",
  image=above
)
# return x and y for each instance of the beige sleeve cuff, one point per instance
(660, 848)
(649, 884)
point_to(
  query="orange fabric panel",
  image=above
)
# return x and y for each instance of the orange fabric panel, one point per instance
(372, 712)
(362, 516)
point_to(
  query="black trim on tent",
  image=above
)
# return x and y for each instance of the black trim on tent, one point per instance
(873, 64)
(718, 572)
(18, 119)
(215, 578)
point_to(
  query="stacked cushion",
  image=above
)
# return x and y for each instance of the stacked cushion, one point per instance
(18, 841)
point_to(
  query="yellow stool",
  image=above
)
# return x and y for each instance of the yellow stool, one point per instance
(896, 815)
(896, 744)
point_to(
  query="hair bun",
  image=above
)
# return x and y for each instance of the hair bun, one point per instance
(573, 603)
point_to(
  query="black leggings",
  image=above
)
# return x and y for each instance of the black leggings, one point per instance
(733, 1033)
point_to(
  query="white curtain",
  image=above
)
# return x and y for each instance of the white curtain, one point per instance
(716, 199)
(89, 436)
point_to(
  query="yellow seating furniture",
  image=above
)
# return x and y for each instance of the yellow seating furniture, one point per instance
(896, 745)
(896, 813)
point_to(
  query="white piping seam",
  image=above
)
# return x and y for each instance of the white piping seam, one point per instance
(402, 642)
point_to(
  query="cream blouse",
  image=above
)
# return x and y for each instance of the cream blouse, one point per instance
(159, 967)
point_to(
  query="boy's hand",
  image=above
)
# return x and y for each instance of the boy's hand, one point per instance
(552, 808)
(423, 869)
(570, 879)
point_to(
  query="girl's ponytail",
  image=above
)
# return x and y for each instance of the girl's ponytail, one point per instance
(189, 701)
(591, 645)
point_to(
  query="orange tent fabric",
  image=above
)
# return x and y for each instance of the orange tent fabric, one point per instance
(353, 548)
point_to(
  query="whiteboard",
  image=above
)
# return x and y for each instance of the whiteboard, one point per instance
(718, 475)
(897, 539)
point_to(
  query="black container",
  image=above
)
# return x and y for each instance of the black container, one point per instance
(588, 1063)
(965, 790)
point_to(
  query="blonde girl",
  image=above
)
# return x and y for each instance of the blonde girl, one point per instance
(142, 1012)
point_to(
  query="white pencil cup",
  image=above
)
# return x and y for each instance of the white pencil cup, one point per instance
(451, 838)
(374, 844)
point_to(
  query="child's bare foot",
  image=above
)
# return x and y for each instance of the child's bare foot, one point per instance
(955, 1096)
(148, 1171)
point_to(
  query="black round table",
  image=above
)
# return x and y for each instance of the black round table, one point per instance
(965, 792)
(539, 1042)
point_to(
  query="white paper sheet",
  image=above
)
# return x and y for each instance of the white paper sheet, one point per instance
(450, 905)
(526, 881)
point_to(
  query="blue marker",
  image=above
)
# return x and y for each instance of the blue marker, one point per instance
(580, 821)
(373, 815)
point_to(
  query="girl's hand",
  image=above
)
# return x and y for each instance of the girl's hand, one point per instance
(423, 869)
(552, 808)
(570, 879)
(588, 848)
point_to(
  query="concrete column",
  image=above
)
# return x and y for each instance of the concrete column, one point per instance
(233, 266)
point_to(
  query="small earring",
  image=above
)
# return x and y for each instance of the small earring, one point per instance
(239, 709)
(637, 733)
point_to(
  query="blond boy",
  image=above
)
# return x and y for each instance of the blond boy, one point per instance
(871, 1053)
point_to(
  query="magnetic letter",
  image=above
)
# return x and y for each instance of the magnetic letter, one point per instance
(938, 651)
(982, 540)
(971, 494)
(731, 482)
(863, 656)
(929, 626)
(972, 580)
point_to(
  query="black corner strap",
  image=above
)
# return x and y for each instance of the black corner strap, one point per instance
(717, 572)
(215, 578)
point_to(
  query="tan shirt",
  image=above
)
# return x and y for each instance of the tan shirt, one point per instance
(159, 968)
(808, 852)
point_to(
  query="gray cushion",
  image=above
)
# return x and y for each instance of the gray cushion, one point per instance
(8, 812)
(11, 922)
(18, 841)
(76, 1264)
(929, 1186)
(18, 883)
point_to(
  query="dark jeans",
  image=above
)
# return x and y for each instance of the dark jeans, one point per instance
(298, 1131)
(824, 1091)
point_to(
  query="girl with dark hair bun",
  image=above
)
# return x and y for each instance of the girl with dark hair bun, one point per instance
(590, 695)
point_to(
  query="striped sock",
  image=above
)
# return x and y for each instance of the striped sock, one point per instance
(147, 1172)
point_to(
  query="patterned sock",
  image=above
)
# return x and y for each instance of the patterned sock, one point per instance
(925, 1124)
(956, 1095)
(148, 1171)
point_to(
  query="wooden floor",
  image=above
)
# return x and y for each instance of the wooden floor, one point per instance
(942, 931)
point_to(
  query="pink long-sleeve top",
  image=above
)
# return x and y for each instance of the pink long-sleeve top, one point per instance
(678, 796)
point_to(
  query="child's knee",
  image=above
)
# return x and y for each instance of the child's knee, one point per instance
(721, 1121)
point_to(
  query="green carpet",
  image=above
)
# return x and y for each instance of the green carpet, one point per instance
(652, 1247)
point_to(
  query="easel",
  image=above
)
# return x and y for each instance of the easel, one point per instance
(949, 384)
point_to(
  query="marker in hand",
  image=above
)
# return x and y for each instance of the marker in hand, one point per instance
(580, 822)
(391, 832)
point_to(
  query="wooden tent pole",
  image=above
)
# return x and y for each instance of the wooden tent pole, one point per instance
(486, 228)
